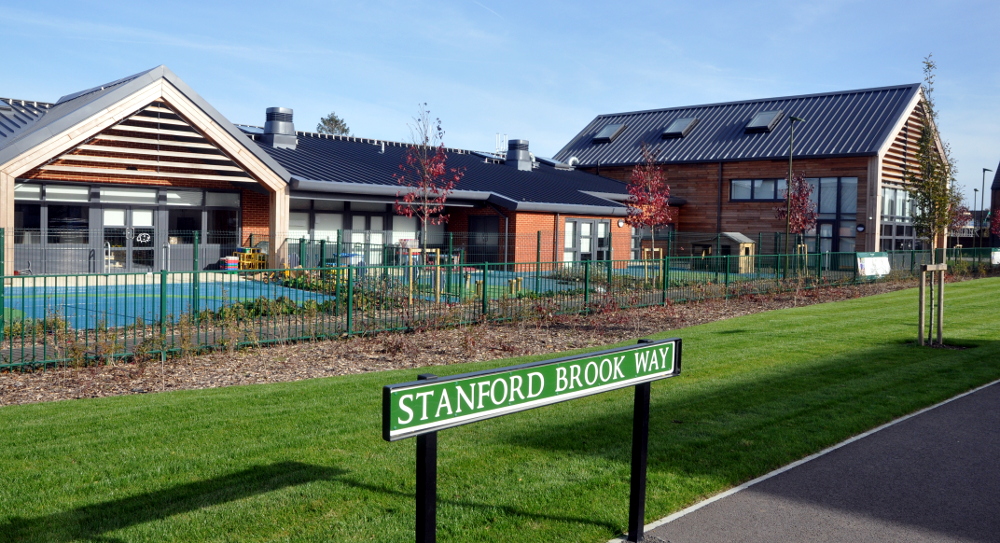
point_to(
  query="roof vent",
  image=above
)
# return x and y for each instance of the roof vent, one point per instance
(279, 132)
(518, 155)
(679, 128)
(609, 133)
(764, 121)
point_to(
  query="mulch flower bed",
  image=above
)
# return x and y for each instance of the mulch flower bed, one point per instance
(307, 360)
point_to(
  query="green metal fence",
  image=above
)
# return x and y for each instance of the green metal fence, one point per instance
(92, 318)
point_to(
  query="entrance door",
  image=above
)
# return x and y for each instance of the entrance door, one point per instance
(128, 240)
(586, 240)
(484, 239)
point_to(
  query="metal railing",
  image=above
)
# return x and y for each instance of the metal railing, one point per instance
(91, 318)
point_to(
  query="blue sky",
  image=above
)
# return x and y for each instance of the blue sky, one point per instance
(533, 70)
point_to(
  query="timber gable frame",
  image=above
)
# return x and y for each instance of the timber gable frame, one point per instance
(66, 133)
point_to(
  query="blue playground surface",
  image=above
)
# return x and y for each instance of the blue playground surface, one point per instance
(116, 305)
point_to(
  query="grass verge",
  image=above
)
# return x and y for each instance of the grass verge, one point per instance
(304, 461)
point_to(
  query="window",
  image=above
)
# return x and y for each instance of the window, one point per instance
(836, 200)
(897, 232)
(763, 121)
(679, 128)
(767, 190)
(68, 224)
(609, 133)
(128, 196)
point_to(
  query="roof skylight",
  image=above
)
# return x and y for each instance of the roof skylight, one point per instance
(764, 121)
(679, 128)
(609, 133)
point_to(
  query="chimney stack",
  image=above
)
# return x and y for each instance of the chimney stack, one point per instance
(279, 132)
(518, 155)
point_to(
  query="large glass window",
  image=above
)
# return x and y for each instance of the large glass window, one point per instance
(68, 224)
(27, 223)
(897, 232)
(836, 200)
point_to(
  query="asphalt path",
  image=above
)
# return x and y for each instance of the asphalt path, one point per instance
(934, 476)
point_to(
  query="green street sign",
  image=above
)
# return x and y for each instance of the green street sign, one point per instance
(419, 407)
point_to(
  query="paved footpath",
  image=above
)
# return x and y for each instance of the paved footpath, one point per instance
(934, 476)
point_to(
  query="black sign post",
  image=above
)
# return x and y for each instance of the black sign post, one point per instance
(415, 409)
(427, 457)
(640, 447)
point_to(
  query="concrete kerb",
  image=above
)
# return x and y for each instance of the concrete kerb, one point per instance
(665, 520)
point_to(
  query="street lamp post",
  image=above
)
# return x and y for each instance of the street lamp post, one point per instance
(788, 186)
(975, 226)
(982, 203)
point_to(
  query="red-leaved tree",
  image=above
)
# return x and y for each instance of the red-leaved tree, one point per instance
(959, 217)
(995, 222)
(801, 209)
(426, 179)
(648, 204)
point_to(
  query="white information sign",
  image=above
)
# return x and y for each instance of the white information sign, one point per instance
(873, 264)
(995, 259)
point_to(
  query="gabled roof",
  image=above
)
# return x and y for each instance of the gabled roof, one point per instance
(44, 122)
(848, 123)
(996, 180)
(359, 166)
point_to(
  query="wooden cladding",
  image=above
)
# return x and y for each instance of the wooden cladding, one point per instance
(154, 143)
(901, 157)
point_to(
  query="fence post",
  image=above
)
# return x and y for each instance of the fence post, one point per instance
(163, 310)
(340, 234)
(322, 253)
(538, 261)
(302, 253)
(196, 278)
(3, 280)
(665, 277)
(726, 262)
(586, 284)
(350, 298)
(451, 261)
(485, 299)
(819, 268)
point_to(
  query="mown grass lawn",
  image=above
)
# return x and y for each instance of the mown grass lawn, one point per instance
(305, 462)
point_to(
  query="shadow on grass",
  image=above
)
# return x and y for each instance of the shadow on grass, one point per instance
(90, 521)
(733, 432)
(505, 509)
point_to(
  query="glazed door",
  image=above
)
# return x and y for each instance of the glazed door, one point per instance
(129, 235)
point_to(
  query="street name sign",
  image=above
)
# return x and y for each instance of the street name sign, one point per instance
(417, 407)
(421, 408)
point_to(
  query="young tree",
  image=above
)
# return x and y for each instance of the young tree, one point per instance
(931, 187)
(426, 179)
(802, 208)
(332, 124)
(995, 223)
(649, 196)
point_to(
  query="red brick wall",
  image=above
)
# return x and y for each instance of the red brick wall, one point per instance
(523, 228)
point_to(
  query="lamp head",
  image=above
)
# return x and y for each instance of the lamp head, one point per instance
(987, 170)
(796, 119)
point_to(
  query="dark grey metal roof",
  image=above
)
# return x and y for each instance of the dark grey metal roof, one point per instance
(65, 107)
(996, 179)
(77, 107)
(16, 115)
(358, 166)
(848, 123)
